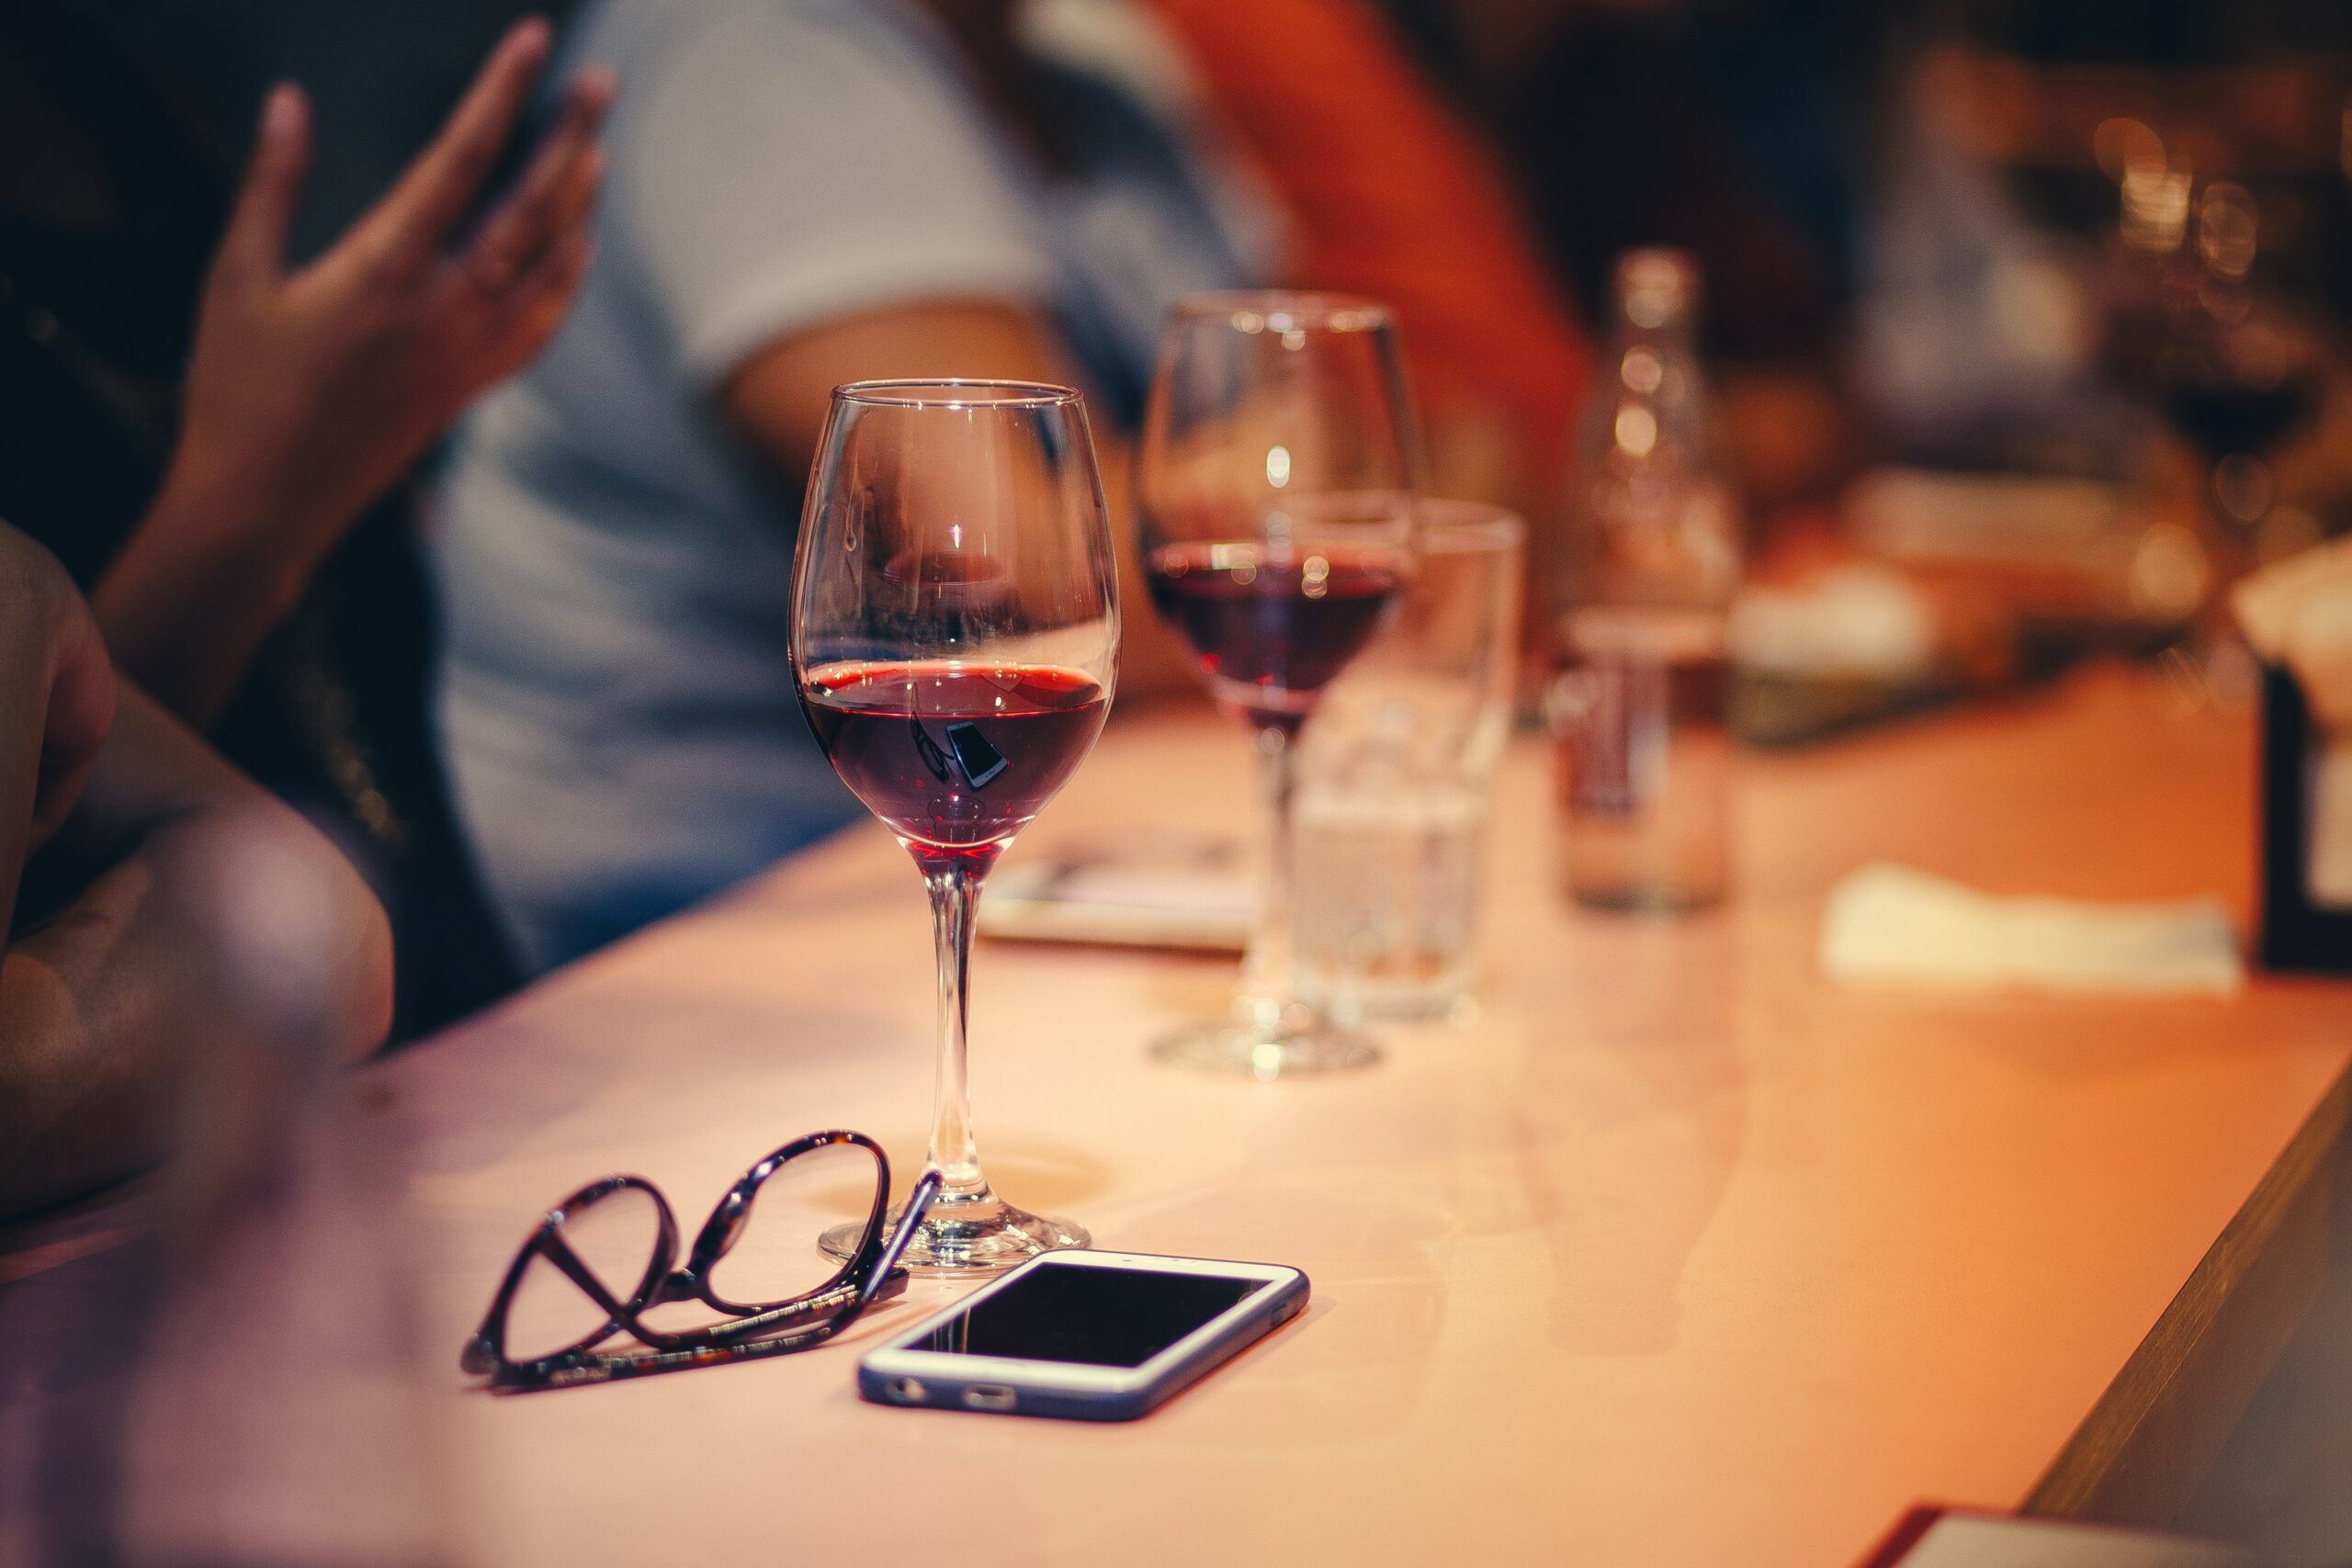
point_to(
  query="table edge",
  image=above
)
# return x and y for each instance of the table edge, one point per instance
(2140, 1453)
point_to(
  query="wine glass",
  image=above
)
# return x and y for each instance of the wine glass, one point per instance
(1277, 486)
(2236, 379)
(954, 643)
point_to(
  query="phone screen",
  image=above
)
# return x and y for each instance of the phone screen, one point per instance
(1102, 1317)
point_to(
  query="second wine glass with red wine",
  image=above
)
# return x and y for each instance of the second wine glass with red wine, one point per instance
(1276, 489)
(955, 641)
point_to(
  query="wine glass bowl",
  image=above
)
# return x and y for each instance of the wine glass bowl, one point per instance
(955, 760)
(1272, 624)
(954, 644)
(1275, 494)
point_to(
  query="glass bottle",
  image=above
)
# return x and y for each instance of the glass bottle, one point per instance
(1642, 596)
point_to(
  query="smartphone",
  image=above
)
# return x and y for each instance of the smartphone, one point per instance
(1083, 1336)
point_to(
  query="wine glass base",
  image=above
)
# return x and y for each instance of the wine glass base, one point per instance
(970, 1238)
(1295, 1053)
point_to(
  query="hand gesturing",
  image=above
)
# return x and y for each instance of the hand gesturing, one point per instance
(311, 389)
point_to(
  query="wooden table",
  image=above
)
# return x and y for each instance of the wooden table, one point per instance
(1678, 1254)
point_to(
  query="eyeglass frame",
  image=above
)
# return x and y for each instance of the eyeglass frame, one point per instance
(873, 1273)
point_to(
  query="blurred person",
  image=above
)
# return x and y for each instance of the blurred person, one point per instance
(803, 193)
(2101, 212)
(1394, 196)
(113, 819)
(213, 441)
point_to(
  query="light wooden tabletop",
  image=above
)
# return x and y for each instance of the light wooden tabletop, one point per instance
(1678, 1254)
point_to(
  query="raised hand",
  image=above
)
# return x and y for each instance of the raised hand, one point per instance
(311, 389)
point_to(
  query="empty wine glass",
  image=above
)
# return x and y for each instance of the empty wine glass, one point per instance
(1276, 489)
(955, 642)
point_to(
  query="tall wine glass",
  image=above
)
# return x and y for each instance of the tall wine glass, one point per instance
(1279, 466)
(955, 642)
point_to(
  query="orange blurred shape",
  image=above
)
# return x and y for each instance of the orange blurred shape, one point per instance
(1395, 198)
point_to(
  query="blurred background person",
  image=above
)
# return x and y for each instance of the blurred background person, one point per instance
(112, 816)
(803, 193)
(214, 440)
(1391, 194)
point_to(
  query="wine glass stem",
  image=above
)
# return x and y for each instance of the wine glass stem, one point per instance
(1265, 993)
(955, 1152)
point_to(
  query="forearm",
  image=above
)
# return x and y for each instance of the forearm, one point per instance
(216, 910)
(196, 592)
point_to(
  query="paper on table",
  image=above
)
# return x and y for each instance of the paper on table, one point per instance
(1133, 905)
(1860, 621)
(1890, 924)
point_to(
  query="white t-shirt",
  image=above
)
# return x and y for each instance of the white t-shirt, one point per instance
(620, 722)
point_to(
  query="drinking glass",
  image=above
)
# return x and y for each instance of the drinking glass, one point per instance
(1395, 776)
(2237, 378)
(1276, 490)
(954, 643)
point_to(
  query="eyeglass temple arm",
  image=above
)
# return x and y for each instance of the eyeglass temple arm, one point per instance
(595, 1369)
(918, 1204)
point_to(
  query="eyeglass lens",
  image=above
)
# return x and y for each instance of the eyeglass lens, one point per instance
(615, 1237)
(776, 1257)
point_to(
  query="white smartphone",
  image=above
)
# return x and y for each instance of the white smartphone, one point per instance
(1083, 1336)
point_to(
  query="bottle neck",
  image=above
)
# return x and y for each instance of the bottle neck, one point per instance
(1672, 337)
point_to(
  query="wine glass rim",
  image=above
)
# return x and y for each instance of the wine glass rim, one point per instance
(952, 391)
(1284, 310)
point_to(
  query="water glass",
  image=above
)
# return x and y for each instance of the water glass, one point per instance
(1394, 777)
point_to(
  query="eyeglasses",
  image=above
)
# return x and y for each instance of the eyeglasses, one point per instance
(604, 1258)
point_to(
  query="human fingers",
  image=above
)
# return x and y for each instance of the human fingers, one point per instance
(255, 242)
(535, 307)
(555, 192)
(78, 716)
(415, 217)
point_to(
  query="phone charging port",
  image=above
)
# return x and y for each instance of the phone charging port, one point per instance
(989, 1397)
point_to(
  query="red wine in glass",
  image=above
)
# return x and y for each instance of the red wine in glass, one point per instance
(955, 758)
(1273, 625)
(2224, 414)
(954, 643)
(1274, 485)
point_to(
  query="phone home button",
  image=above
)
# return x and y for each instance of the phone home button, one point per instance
(989, 1397)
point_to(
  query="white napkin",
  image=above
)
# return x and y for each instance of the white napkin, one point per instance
(1889, 924)
(1858, 620)
(2297, 612)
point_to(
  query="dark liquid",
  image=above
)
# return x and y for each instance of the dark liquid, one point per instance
(2223, 417)
(1272, 628)
(956, 758)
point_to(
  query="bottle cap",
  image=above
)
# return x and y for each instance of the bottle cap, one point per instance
(1658, 286)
